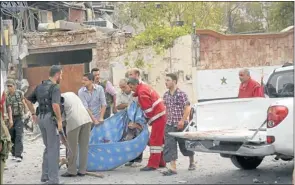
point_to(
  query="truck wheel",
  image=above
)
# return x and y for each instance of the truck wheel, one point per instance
(246, 163)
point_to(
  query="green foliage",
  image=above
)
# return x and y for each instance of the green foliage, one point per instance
(160, 37)
(157, 18)
(281, 15)
(139, 63)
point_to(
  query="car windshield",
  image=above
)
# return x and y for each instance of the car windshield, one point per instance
(280, 84)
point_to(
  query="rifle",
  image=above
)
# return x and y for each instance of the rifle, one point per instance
(65, 142)
(26, 124)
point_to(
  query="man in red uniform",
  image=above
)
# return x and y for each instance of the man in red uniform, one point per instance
(249, 88)
(154, 110)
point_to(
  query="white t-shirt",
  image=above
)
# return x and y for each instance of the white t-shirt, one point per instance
(76, 114)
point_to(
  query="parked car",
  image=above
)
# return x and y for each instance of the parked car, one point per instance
(247, 130)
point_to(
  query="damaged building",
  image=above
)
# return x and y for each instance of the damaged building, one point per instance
(74, 35)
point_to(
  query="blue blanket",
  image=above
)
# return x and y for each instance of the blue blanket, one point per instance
(106, 151)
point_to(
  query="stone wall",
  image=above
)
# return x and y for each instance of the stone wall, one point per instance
(218, 51)
(47, 39)
(106, 48)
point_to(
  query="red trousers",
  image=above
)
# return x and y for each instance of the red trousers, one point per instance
(156, 143)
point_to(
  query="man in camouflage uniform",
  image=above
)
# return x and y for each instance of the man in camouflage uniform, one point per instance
(110, 92)
(5, 142)
(16, 105)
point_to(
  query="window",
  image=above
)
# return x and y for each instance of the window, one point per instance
(280, 84)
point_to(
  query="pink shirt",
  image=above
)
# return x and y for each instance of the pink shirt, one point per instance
(110, 88)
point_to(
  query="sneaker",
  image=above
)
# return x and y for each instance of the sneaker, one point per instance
(18, 159)
(13, 158)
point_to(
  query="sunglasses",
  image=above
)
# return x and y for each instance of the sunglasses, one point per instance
(9, 86)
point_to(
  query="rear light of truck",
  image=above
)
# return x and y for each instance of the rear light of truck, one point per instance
(275, 115)
(270, 139)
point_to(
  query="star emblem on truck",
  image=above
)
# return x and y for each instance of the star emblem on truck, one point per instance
(223, 80)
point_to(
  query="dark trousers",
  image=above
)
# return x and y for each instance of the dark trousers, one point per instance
(170, 147)
(107, 114)
(137, 159)
(16, 133)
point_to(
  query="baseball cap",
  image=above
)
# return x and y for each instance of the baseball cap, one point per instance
(10, 82)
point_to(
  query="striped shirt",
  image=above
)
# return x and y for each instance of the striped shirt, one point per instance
(93, 101)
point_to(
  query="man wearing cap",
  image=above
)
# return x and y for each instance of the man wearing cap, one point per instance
(16, 106)
(48, 96)
(154, 110)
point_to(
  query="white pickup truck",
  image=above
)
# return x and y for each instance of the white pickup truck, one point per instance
(246, 130)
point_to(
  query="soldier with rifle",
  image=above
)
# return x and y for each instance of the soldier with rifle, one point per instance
(48, 96)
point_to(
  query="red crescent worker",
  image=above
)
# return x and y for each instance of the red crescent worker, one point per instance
(249, 88)
(154, 110)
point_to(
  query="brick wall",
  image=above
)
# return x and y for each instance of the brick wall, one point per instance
(218, 51)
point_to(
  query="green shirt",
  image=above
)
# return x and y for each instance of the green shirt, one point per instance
(15, 101)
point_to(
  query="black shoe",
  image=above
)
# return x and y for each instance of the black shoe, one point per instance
(147, 169)
(44, 180)
(81, 174)
(68, 175)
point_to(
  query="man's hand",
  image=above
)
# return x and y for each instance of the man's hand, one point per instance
(10, 124)
(180, 125)
(115, 110)
(59, 126)
(96, 122)
(100, 120)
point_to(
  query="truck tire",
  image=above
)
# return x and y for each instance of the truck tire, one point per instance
(246, 163)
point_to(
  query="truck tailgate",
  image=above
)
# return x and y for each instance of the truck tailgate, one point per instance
(242, 135)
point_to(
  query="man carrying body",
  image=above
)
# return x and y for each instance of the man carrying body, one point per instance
(124, 99)
(48, 96)
(249, 88)
(110, 92)
(154, 110)
(78, 126)
(5, 141)
(135, 73)
(178, 110)
(93, 99)
(15, 103)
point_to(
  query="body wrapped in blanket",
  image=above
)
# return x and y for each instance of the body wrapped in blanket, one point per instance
(133, 130)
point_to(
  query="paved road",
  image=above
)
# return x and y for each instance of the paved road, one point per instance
(211, 169)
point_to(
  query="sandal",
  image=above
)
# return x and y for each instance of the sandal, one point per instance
(169, 172)
(192, 167)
